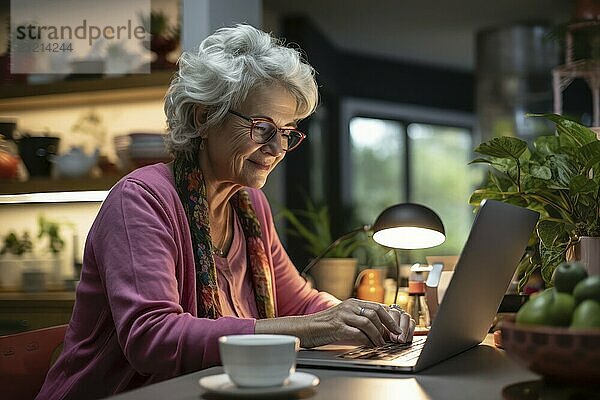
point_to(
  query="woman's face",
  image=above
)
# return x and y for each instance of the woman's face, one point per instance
(232, 156)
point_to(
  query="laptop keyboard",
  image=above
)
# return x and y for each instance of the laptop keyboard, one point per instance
(387, 352)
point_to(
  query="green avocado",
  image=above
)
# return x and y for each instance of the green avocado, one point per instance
(567, 275)
(586, 315)
(588, 288)
(548, 308)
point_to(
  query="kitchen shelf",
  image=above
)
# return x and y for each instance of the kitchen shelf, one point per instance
(131, 88)
(60, 295)
(49, 185)
(80, 92)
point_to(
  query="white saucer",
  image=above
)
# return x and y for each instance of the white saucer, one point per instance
(221, 384)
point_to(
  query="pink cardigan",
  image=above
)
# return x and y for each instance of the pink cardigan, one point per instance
(134, 320)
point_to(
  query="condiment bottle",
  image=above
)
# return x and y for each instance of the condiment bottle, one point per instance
(417, 306)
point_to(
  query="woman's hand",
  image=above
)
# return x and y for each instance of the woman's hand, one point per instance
(406, 324)
(356, 321)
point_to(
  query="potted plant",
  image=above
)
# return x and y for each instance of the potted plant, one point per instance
(163, 38)
(13, 253)
(336, 270)
(558, 176)
(49, 231)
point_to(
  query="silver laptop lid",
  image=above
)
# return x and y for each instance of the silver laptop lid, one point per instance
(496, 243)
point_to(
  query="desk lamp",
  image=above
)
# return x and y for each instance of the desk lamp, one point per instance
(401, 226)
(408, 226)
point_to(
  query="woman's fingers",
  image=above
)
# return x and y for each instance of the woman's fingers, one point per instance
(361, 322)
(396, 315)
(357, 336)
(405, 326)
(362, 316)
(374, 322)
(386, 318)
(411, 330)
(379, 315)
(367, 326)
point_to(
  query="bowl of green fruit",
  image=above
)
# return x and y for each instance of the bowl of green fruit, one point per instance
(556, 333)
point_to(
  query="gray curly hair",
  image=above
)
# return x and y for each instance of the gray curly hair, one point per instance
(228, 65)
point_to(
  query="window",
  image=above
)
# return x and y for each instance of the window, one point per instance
(396, 160)
(441, 178)
(378, 165)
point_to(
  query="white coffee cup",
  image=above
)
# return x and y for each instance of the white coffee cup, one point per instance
(258, 360)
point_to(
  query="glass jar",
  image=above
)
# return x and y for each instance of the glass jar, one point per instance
(417, 306)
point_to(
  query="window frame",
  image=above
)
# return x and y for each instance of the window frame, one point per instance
(405, 114)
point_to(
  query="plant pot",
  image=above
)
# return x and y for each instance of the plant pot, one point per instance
(34, 281)
(587, 252)
(11, 268)
(335, 276)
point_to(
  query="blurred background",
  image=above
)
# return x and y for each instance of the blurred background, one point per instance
(408, 89)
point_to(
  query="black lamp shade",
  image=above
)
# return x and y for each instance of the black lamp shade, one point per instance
(408, 226)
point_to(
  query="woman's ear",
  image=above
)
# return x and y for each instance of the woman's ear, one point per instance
(200, 116)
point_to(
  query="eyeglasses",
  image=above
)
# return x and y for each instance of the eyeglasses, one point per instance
(263, 130)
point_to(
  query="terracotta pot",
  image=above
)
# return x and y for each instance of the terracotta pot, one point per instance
(335, 276)
(587, 252)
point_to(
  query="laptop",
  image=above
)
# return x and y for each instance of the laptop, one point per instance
(495, 245)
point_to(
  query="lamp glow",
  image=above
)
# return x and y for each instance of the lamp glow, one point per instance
(408, 226)
(409, 237)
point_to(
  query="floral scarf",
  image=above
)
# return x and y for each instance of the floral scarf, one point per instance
(191, 188)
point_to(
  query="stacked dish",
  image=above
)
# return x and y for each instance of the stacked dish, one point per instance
(122, 143)
(140, 148)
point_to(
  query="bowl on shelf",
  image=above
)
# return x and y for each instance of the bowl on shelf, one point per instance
(141, 148)
(122, 143)
(559, 354)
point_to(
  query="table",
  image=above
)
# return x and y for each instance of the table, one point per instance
(479, 373)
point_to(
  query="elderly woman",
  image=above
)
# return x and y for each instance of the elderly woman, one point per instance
(183, 253)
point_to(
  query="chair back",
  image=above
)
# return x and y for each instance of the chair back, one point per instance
(25, 359)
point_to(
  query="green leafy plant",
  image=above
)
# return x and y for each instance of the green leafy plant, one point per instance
(51, 230)
(558, 176)
(157, 24)
(13, 245)
(313, 227)
(90, 123)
